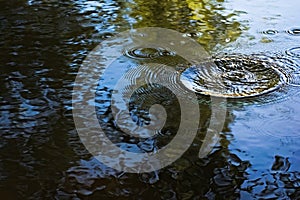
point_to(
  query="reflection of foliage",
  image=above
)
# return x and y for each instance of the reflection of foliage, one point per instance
(215, 26)
(203, 19)
(167, 14)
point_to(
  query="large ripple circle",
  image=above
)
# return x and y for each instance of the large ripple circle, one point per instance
(234, 76)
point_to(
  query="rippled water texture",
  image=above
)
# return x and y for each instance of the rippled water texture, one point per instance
(235, 76)
(238, 76)
(255, 62)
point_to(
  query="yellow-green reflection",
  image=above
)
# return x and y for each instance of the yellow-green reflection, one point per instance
(204, 20)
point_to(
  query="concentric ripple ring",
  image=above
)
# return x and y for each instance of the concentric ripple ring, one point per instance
(146, 53)
(234, 76)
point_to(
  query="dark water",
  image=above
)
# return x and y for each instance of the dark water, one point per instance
(44, 42)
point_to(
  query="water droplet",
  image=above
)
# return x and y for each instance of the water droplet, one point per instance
(192, 35)
(147, 53)
(294, 31)
(270, 32)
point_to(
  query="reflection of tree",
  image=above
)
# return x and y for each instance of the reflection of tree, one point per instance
(204, 20)
(168, 14)
(35, 96)
(216, 27)
(217, 176)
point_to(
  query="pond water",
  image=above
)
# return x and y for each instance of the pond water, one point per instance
(254, 45)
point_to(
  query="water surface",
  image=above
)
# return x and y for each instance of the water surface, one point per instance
(44, 42)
